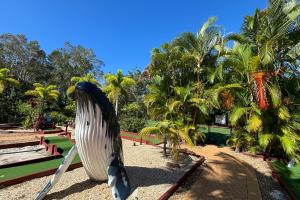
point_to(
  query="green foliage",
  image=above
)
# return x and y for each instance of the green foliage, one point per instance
(6, 78)
(29, 113)
(89, 77)
(117, 85)
(58, 117)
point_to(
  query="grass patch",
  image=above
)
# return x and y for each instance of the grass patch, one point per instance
(291, 176)
(23, 170)
(217, 135)
(152, 140)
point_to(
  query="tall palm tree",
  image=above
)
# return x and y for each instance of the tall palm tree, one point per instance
(201, 44)
(43, 93)
(5, 78)
(89, 77)
(274, 34)
(117, 85)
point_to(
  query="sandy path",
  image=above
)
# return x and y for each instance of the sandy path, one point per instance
(223, 177)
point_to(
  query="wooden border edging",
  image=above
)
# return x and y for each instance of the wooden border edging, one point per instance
(16, 145)
(36, 175)
(30, 161)
(58, 130)
(175, 186)
(277, 176)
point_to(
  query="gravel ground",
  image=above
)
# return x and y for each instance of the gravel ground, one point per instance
(148, 172)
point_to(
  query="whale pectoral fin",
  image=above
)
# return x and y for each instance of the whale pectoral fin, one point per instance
(62, 168)
(118, 180)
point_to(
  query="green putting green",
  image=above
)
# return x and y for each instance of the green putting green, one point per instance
(152, 140)
(216, 135)
(291, 176)
(24, 170)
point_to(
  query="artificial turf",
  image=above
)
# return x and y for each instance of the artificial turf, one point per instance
(291, 176)
(24, 170)
(216, 135)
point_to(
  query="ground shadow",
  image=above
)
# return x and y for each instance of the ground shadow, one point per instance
(76, 188)
(232, 182)
(138, 177)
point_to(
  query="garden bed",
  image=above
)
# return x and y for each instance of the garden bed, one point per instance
(148, 171)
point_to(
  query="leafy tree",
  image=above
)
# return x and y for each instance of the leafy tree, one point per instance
(73, 61)
(133, 113)
(117, 85)
(25, 60)
(6, 78)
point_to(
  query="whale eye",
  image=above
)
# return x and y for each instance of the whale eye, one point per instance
(87, 123)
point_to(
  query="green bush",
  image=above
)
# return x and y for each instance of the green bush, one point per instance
(132, 124)
(29, 114)
(58, 117)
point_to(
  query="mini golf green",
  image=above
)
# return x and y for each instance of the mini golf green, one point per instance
(291, 176)
(24, 170)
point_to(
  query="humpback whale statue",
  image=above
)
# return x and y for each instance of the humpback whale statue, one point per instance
(98, 142)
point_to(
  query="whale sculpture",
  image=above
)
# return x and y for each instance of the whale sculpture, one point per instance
(98, 142)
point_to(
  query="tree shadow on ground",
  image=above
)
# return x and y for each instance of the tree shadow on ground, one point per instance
(230, 178)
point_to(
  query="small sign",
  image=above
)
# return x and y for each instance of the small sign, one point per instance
(220, 119)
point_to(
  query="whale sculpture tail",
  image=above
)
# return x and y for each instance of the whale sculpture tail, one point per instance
(98, 141)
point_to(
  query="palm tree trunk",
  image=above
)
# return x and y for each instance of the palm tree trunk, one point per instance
(117, 102)
(165, 145)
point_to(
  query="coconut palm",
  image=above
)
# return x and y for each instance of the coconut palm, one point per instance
(117, 85)
(89, 77)
(6, 78)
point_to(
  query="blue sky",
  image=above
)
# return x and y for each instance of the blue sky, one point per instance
(122, 33)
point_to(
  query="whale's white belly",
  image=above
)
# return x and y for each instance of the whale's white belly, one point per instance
(94, 147)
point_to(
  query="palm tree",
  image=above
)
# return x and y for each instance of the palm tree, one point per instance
(274, 34)
(201, 44)
(5, 78)
(156, 98)
(43, 93)
(275, 128)
(89, 77)
(173, 130)
(117, 85)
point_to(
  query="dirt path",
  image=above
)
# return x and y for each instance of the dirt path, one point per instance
(223, 177)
